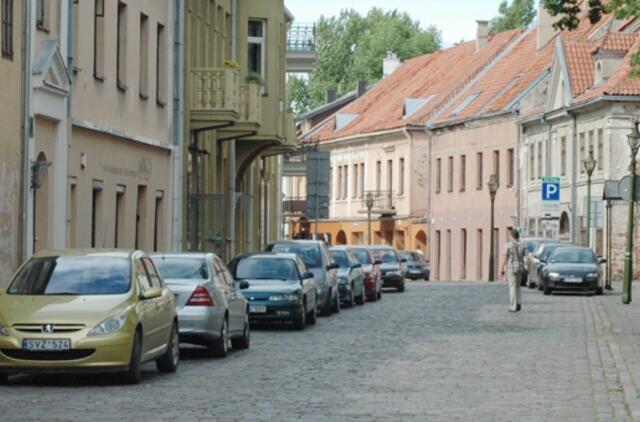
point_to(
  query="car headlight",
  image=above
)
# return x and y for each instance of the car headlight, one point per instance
(284, 298)
(592, 275)
(110, 325)
(3, 331)
(554, 276)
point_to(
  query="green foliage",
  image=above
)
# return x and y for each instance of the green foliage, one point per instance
(351, 47)
(255, 78)
(298, 94)
(519, 14)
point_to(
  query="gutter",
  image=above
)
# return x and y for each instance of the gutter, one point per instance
(178, 128)
(574, 178)
(27, 127)
(231, 152)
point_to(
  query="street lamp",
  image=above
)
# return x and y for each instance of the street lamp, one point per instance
(589, 166)
(368, 202)
(493, 184)
(634, 145)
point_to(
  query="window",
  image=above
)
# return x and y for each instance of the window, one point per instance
(361, 180)
(532, 162)
(390, 175)
(590, 143)
(479, 171)
(98, 40)
(7, 29)
(583, 152)
(161, 72)
(354, 182)
(378, 175)
(75, 12)
(256, 61)
(450, 176)
(463, 254)
(331, 190)
(42, 17)
(496, 163)
(142, 277)
(563, 156)
(600, 149)
(153, 274)
(339, 190)
(438, 175)
(345, 180)
(96, 211)
(158, 228)
(119, 232)
(539, 159)
(510, 168)
(479, 254)
(141, 218)
(463, 173)
(121, 47)
(401, 177)
(144, 57)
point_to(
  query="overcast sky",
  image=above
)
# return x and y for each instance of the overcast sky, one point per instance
(455, 18)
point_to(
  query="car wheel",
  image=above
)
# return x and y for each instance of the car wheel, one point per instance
(599, 291)
(171, 358)
(336, 304)
(134, 373)
(244, 341)
(362, 298)
(352, 299)
(379, 294)
(312, 317)
(328, 304)
(539, 285)
(301, 322)
(546, 290)
(219, 348)
(4, 379)
(401, 288)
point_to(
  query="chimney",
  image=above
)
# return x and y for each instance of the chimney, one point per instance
(546, 31)
(390, 63)
(361, 89)
(329, 96)
(482, 37)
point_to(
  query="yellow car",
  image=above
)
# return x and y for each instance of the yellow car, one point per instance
(87, 311)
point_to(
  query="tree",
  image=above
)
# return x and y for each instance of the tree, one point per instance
(568, 11)
(351, 47)
(519, 14)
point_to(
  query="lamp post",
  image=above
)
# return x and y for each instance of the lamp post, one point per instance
(589, 166)
(493, 188)
(368, 202)
(634, 145)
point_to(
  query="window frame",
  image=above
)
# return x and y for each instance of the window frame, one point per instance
(262, 42)
(7, 29)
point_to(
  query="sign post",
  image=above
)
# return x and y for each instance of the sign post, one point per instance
(551, 203)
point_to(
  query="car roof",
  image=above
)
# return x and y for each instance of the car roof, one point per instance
(106, 253)
(198, 255)
(263, 255)
(382, 247)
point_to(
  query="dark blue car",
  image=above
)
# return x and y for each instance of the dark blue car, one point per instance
(350, 276)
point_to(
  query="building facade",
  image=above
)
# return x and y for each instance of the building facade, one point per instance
(11, 155)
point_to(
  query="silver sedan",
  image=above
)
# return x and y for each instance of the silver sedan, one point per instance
(212, 312)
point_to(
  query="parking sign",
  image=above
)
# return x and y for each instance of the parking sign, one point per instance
(551, 189)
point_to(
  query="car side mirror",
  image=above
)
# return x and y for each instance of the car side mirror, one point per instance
(603, 261)
(332, 266)
(151, 293)
(403, 260)
(354, 266)
(377, 262)
(243, 285)
(307, 275)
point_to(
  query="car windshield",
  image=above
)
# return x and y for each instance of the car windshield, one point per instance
(74, 275)
(385, 255)
(531, 245)
(181, 268)
(362, 256)
(340, 258)
(267, 269)
(573, 256)
(409, 256)
(310, 254)
(548, 250)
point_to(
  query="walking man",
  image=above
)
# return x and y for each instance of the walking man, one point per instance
(514, 265)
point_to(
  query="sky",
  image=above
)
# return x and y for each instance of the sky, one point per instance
(455, 18)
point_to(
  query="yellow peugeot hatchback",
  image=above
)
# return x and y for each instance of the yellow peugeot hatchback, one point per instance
(87, 311)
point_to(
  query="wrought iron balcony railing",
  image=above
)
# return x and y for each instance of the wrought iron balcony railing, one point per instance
(294, 206)
(382, 202)
(301, 38)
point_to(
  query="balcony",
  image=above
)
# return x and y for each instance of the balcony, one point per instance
(295, 166)
(293, 206)
(214, 97)
(249, 114)
(301, 48)
(383, 203)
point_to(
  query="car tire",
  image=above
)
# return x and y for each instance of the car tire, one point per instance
(336, 305)
(401, 288)
(312, 317)
(134, 373)
(327, 309)
(244, 341)
(4, 379)
(301, 322)
(546, 290)
(599, 291)
(379, 294)
(362, 298)
(169, 361)
(219, 348)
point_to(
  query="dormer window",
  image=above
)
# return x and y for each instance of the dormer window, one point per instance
(599, 77)
(342, 120)
(411, 105)
(606, 63)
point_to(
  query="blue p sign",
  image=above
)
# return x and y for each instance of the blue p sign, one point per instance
(550, 191)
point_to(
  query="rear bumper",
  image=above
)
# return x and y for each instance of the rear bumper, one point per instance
(392, 281)
(417, 274)
(585, 286)
(200, 324)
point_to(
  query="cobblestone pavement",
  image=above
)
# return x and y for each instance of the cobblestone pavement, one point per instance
(447, 351)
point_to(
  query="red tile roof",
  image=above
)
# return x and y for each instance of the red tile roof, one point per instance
(580, 65)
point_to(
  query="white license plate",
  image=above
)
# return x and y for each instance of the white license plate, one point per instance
(45, 345)
(573, 280)
(258, 309)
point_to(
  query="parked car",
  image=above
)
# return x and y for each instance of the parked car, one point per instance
(416, 267)
(371, 270)
(350, 276)
(316, 257)
(572, 268)
(392, 267)
(87, 311)
(539, 260)
(531, 244)
(280, 288)
(211, 309)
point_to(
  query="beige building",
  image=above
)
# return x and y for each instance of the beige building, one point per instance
(11, 156)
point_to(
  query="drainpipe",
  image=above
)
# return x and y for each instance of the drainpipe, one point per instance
(178, 127)
(516, 170)
(547, 155)
(27, 128)
(430, 199)
(574, 178)
(232, 143)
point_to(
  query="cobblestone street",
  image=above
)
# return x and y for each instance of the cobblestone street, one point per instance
(437, 352)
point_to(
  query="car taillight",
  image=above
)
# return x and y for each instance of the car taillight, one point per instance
(200, 297)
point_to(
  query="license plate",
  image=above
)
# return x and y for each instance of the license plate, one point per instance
(258, 309)
(573, 280)
(37, 345)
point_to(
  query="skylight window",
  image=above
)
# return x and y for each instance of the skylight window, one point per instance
(411, 105)
(343, 120)
(471, 98)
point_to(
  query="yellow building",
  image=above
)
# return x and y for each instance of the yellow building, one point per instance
(10, 136)
(235, 125)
